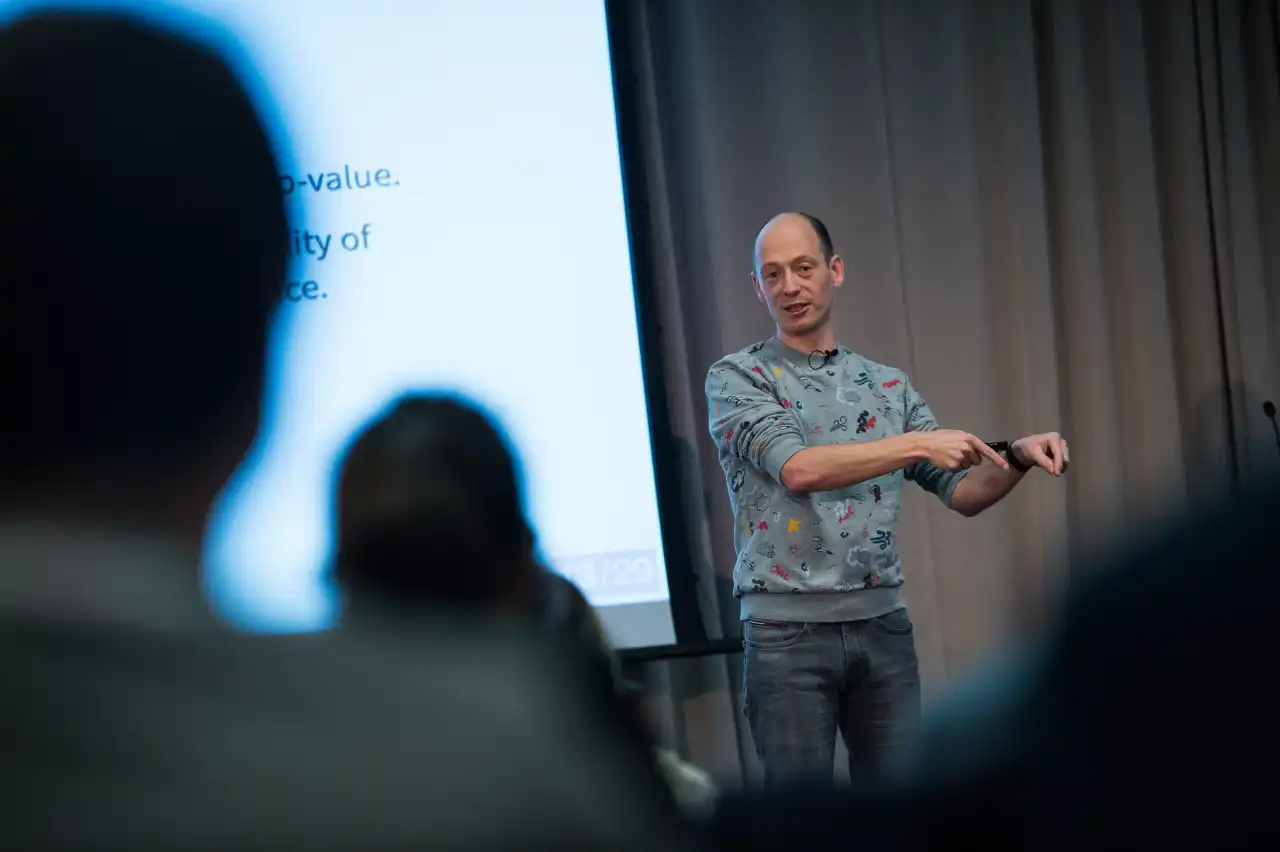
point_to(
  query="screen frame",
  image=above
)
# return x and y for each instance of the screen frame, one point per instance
(682, 580)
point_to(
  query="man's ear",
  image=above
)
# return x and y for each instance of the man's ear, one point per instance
(837, 270)
(755, 282)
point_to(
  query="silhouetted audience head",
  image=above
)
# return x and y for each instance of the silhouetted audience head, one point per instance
(429, 508)
(143, 246)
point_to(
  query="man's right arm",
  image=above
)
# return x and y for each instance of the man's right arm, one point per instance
(751, 424)
(840, 465)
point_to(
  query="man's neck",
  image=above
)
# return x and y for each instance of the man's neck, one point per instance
(823, 339)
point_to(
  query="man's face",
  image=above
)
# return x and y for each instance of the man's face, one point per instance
(792, 279)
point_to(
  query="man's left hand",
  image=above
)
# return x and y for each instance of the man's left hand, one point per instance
(1047, 451)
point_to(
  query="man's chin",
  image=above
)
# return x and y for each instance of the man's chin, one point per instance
(802, 326)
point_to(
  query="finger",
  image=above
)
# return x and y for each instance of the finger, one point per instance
(982, 448)
(1050, 452)
(1066, 456)
(1058, 463)
(973, 457)
(1042, 459)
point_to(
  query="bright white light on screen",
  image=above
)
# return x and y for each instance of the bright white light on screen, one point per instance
(454, 169)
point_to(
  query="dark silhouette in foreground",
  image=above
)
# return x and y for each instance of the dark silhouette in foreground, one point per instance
(1144, 716)
(430, 514)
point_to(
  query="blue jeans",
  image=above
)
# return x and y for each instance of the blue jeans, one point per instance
(804, 682)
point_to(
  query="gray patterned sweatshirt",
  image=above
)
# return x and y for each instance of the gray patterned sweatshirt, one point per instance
(827, 556)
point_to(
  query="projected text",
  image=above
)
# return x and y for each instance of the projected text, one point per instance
(318, 246)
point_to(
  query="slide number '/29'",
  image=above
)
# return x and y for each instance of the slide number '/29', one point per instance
(621, 574)
(624, 573)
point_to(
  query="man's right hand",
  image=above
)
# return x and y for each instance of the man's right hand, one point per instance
(951, 449)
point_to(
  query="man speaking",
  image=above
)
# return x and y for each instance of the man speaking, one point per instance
(815, 442)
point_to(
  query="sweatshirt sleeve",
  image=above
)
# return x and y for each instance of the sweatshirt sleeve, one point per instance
(918, 417)
(748, 421)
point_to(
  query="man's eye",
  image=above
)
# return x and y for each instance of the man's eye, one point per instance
(804, 267)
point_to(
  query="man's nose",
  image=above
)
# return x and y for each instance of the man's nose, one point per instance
(790, 286)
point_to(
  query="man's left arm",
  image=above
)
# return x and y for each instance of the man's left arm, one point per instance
(987, 484)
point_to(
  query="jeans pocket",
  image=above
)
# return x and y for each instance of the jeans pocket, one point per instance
(896, 623)
(766, 635)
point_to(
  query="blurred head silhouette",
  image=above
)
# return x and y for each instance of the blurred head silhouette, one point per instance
(143, 246)
(429, 509)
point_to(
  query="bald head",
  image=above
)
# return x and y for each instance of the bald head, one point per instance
(796, 273)
(790, 227)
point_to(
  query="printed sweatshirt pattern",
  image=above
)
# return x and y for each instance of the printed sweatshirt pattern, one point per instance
(828, 556)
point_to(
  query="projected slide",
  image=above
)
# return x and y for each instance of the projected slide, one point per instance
(460, 225)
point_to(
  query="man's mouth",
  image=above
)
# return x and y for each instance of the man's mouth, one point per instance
(798, 308)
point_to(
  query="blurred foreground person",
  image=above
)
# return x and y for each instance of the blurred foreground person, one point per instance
(142, 253)
(1146, 717)
(430, 511)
